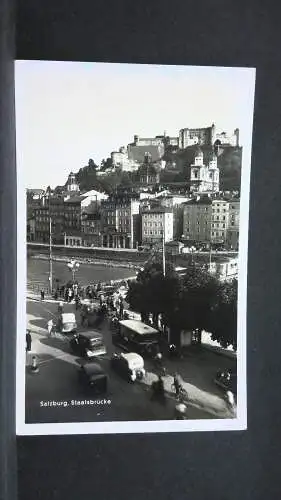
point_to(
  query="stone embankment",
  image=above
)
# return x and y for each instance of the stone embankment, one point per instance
(87, 260)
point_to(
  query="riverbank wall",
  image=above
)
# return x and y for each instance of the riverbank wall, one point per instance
(87, 260)
(106, 256)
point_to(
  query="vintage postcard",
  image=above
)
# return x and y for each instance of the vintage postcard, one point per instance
(133, 209)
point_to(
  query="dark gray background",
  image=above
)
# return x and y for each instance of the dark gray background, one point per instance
(222, 465)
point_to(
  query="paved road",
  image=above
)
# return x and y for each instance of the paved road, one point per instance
(57, 382)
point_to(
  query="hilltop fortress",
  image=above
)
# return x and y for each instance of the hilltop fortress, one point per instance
(129, 158)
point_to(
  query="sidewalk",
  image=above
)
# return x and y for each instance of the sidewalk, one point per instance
(36, 296)
(48, 299)
(197, 398)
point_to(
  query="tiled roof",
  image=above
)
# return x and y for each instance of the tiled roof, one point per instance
(73, 199)
(203, 200)
(35, 191)
(157, 210)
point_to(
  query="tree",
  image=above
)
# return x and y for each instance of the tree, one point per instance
(197, 299)
(87, 177)
(153, 293)
(223, 324)
(106, 164)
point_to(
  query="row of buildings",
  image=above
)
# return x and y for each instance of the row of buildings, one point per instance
(137, 216)
(130, 219)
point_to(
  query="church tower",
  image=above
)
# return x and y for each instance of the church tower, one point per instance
(72, 184)
(213, 174)
(198, 172)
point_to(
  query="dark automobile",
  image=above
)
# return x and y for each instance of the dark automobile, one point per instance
(92, 376)
(227, 380)
(89, 313)
(88, 344)
(128, 365)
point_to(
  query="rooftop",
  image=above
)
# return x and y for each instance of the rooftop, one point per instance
(35, 191)
(74, 199)
(157, 210)
(203, 200)
(138, 326)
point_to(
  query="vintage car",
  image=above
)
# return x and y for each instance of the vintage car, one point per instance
(89, 314)
(67, 323)
(227, 380)
(93, 377)
(128, 365)
(134, 335)
(88, 344)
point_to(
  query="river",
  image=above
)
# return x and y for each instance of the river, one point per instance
(38, 273)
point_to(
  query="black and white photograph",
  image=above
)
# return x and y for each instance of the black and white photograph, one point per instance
(133, 185)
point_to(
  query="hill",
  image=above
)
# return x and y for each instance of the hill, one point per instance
(178, 170)
(229, 163)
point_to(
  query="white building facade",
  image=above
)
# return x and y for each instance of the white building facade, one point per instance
(204, 178)
(155, 222)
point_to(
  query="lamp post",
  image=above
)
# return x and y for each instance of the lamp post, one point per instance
(73, 266)
(50, 243)
(163, 249)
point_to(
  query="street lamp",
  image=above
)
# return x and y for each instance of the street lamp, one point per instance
(73, 266)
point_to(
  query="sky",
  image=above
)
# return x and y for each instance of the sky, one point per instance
(68, 112)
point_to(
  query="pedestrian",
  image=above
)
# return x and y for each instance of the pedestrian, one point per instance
(180, 411)
(50, 327)
(28, 341)
(121, 308)
(177, 385)
(60, 308)
(230, 399)
(42, 294)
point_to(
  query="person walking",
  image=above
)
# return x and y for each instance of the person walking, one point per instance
(50, 327)
(28, 341)
(177, 385)
(121, 308)
(42, 295)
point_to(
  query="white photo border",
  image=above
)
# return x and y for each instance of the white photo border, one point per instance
(129, 427)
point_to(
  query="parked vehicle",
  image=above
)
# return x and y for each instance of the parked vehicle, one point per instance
(106, 291)
(129, 365)
(88, 344)
(227, 380)
(133, 335)
(92, 376)
(67, 323)
(89, 313)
